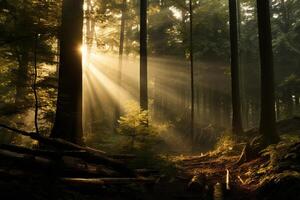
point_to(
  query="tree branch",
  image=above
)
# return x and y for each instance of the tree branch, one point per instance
(25, 133)
(36, 110)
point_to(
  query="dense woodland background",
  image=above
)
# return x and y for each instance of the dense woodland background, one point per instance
(30, 30)
(137, 99)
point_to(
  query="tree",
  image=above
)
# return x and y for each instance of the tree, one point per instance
(192, 69)
(21, 22)
(121, 51)
(268, 117)
(143, 56)
(18, 36)
(235, 81)
(68, 120)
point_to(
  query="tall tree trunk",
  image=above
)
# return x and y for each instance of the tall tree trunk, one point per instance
(143, 56)
(68, 121)
(235, 81)
(268, 117)
(192, 70)
(121, 52)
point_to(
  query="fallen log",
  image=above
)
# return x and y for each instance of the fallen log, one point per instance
(93, 155)
(107, 181)
(66, 166)
(59, 153)
(38, 152)
(24, 159)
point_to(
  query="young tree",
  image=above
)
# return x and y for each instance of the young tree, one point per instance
(143, 56)
(68, 121)
(268, 117)
(235, 81)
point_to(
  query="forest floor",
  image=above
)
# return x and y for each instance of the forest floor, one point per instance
(227, 173)
(219, 174)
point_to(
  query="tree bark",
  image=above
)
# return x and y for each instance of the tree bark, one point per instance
(192, 70)
(106, 181)
(68, 121)
(235, 79)
(121, 52)
(268, 117)
(143, 56)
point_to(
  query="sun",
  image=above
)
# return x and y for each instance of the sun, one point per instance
(84, 53)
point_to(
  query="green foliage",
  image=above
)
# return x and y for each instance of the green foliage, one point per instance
(225, 143)
(168, 33)
(135, 121)
(137, 125)
(28, 29)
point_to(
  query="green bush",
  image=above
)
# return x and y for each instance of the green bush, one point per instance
(138, 126)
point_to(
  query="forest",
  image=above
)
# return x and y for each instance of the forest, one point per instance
(150, 99)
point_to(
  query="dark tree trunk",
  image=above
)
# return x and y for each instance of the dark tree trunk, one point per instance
(235, 81)
(68, 121)
(268, 117)
(143, 56)
(192, 69)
